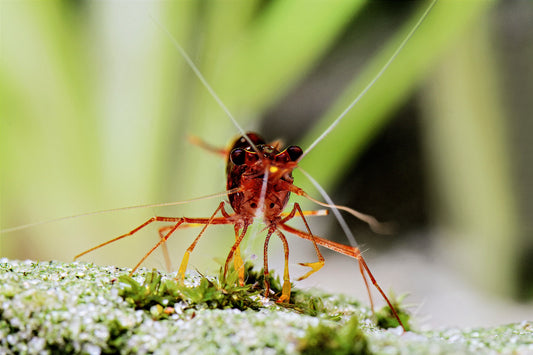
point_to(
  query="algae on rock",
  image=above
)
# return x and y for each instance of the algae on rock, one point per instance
(50, 307)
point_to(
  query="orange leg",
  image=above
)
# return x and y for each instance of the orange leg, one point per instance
(319, 213)
(176, 220)
(265, 262)
(351, 252)
(183, 267)
(235, 250)
(238, 263)
(286, 289)
(161, 241)
(178, 223)
(162, 231)
(165, 229)
(204, 145)
(362, 271)
(316, 265)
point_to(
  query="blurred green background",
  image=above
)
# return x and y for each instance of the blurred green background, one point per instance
(96, 105)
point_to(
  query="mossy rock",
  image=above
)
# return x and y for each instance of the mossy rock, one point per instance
(52, 307)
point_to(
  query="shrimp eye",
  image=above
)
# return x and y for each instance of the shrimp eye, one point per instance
(294, 152)
(238, 156)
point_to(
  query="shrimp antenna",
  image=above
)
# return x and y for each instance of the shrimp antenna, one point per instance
(373, 223)
(203, 81)
(371, 83)
(334, 208)
(30, 225)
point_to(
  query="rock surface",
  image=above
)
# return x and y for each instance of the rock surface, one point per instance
(50, 307)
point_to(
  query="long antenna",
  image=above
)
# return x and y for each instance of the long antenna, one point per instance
(29, 225)
(371, 83)
(338, 216)
(203, 81)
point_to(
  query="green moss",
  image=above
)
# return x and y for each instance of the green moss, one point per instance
(52, 307)
(346, 339)
(385, 318)
(300, 301)
(157, 296)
